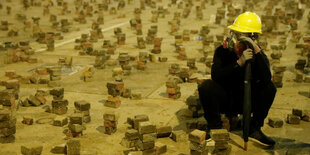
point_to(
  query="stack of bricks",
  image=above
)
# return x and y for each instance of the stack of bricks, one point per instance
(184, 73)
(173, 90)
(174, 69)
(147, 137)
(157, 45)
(83, 39)
(55, 76)
(199, 13)
(141, 43)
(123, 58)
(101, 58)
(83, 107)
(131, 138)
(114, 90)
(110, 122)
(276, 53)
(182, 52)
(12, 87)
(278, 71)
(197, 142)
(194, 106)
(73, 147)
(139, 29)
(178, 40)
(107, 45)
(186, 35)
(151, 34)
(75, 126)
(221, 138)
(7, 118)
(300, 66)
(59, 104)
(121, 38)
(154, 18)
(50, 43)
(207, 42)
(117, 73)
(141, 63)
(191, 63)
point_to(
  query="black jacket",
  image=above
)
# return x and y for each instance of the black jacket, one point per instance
(226, 71)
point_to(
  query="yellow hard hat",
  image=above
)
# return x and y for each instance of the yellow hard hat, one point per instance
(247, 22)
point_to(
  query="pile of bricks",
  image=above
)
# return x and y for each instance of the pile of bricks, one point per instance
(173, 90)
(297, 115)
(114, 90)
(121, 38)
(110, 119)
(178, 39)
(186, 35)
(75, 127)
(157, 45)
(278, 71)
(15, 52)
(123, 58)
(174, 69)
(59, 104)
(110, 48)
(191, 63)
(101, 58)
(276, 53)
(83, 107)
(55, 76)
(197, 142)
(221, 138)
(139, 29)
(7, 118)
(35, 100)
(141, 43)
(199, 13)
(184, 73)
(147, 137)
(154, 18)
(151, 34)
(141, 63)
(182, 52)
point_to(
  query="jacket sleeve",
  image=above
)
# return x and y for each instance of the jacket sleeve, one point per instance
(263, 68)
(220, 71)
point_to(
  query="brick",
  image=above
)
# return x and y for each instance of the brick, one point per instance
(129, 143)
(147, 137)
(31, 150)
(76, 118)
(163, 131)
(57, 91)
(219, 134)
(12, 84)
(191, 124)
(60, 111)
(132, 134)
(174, 90)
(146, 127)
(59, 149)
(292, 119)
(34, 101)
(195, 152)
(160, 148)
(113, 102)
(82, 105)
(41, 98)
(73, 147)
(145, 145)
(60, 121)
(27, 120)
(197, 146)
(197, 136)
(86, 119)
(275, 122)
(112, 124)
(136, 96)
(77, 128)
(278, 68)
(10, 73)
(191, 100)
(306, 116)
(84, 113)
(148, 151)
(179, 136)
(139, 118)
(60, 103)
(171, 84)
(110, 116)
(297, 112)
(135, 153)
(109, 130)
(221, 144)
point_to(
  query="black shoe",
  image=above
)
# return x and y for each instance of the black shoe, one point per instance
(260, 136)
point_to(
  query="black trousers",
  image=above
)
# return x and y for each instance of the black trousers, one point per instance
(216, 100)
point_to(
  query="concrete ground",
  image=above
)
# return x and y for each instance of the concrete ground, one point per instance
(291, 139)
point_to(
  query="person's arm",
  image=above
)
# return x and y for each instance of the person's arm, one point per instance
(219, 71)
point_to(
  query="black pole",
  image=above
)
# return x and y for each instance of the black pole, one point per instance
(247, 104)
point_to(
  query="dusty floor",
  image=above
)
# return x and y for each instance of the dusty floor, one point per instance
(151, 83)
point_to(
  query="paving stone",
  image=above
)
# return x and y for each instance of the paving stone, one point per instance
(76, 118)
(197, 136)
(60, 121)
(132, 134)
(31, 149)
(292, 119)
(139, 118)
(219, 134)
(275, 122)
(59, 149)
(163, 131)
(160, 148)
(179, 136)
(73, 147)
(82, 105)
(27, 120)
(146, 127)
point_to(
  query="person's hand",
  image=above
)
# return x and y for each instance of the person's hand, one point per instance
(255, 46)
(246, 55)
